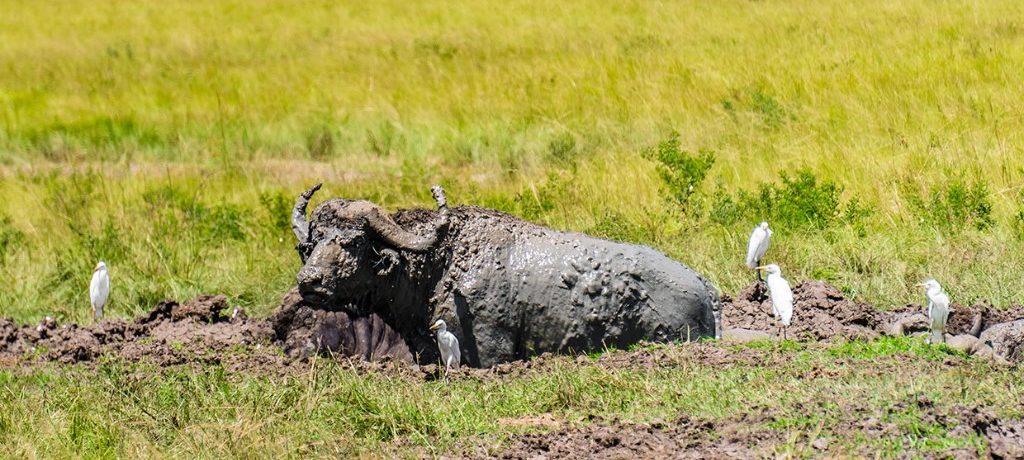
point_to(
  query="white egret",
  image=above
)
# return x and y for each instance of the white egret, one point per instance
(99, 289)
(781, 295)
(938, 310)
(758, 245)
(447, 344)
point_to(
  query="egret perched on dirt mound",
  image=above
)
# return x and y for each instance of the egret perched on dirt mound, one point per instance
(99, 289)
(781, 295)
(448, 344)
(938, 310)
(757, 246)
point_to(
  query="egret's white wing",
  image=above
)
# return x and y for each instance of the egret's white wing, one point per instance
(782, 298)
(939, 314)
(456, 353)
(763, 247)
(99, 289)
(756, 247)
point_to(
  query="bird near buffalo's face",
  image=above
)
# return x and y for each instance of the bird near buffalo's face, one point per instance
(448, 345)
(506, 287)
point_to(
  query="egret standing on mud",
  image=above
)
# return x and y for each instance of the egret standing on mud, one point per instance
(757, 246)
(938, 310)
(781, 295)
(447, 344)
(99, 289)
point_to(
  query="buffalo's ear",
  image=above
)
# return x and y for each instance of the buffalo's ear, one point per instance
(304, 248)
(387, 261)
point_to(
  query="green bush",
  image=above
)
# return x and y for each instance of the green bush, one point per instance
(955, 206)
(681, 171)
(800, 201)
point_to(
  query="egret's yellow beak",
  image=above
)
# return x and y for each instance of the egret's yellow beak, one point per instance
(97, 267)
(763, 267)
(434, 327)
(920, 285)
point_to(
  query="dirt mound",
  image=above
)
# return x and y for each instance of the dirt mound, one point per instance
(685, 437)
(171, 333)
(202, 331)
(978, 317)
(821, 312)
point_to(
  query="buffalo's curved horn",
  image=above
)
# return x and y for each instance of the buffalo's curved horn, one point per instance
(299, 224)
(439, 197)
(390, 232)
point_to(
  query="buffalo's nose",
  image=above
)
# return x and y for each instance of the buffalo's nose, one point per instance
(311, 287)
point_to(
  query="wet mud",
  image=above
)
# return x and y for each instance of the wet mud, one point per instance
(199, 331)
(207, 329)
(823, 313)
(750, 435)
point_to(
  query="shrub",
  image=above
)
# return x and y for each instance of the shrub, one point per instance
(955, 206)
(681, 171)
(800, 201)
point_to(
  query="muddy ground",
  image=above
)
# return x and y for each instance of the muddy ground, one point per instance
(208, 330)
(823, 313)
(747, 435)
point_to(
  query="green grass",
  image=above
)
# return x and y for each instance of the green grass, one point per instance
(130, 410)
(147, 134)
(882, 139)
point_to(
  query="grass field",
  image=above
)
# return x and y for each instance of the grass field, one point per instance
(881, 139)
(330, 410)
(146, 133)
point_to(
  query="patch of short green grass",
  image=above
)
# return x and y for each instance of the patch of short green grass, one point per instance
(327, 409)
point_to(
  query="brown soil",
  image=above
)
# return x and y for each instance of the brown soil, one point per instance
(684, 437)
(203, 331)
(751, 435)
(823, 313)
(198, 331)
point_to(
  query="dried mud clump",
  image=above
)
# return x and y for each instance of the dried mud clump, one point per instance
(821, 313)
(171, 333)
(685, 437)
